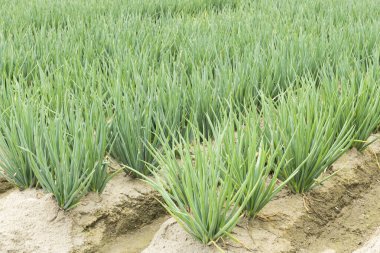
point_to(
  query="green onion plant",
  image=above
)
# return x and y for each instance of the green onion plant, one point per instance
(17, 126)
(254, 161)
(306, 121)
(69, 157)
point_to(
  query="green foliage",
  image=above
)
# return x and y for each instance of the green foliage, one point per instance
(307, 122)
(17, 125)
(365, 104)
(194, 184)
(137, 120)
(252, 161)
(359, 93)
(207, 184)
(69, 155)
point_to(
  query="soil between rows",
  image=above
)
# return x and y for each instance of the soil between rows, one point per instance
(32, 222)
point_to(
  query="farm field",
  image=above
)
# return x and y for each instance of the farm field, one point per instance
(253, 124)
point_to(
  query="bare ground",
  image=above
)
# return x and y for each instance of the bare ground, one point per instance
(4, 185)
(32, 222)
(371, 246)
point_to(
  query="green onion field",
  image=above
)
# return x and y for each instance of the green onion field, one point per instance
(219, 105)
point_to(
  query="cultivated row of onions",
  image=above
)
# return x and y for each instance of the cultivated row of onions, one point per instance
(207, 185)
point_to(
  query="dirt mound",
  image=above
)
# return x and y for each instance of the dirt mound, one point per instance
(32, 222)
(28, 224)
(4, 185)
(337, 216)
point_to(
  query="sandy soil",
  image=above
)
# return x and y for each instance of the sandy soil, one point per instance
(135, 241)
(32, 222)
(338, 216)
(28, 224)
(372, 246)
(4, 185)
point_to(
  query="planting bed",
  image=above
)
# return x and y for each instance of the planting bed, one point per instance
(34, 223)
(339, 216)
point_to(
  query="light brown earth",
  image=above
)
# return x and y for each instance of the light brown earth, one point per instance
(4, 185)
(338, 216)
(134, 241)
(372, 246)
(31, 221)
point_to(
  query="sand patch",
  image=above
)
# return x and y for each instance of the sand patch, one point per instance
(373, 245)
(32, 222)
(4, 185)
(28, 224)
(134, 241)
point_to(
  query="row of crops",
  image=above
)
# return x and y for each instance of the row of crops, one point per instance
(225, 102)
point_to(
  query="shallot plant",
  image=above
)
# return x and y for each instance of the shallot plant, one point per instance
(137, 115)
(207, 183)
(69, 157)
(194, 187)
(17, 133)
(253, 160)
(361, 93)
(306, 121)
